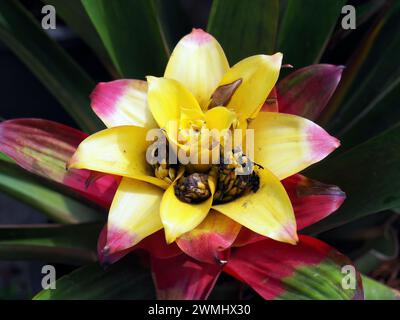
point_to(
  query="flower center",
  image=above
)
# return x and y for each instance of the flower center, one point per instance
(232, 173)
(234, 176)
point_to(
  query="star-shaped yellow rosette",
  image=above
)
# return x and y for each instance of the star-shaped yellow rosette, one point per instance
(199, 91)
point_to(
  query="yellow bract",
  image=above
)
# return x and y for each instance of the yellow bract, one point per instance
(287, 144)
(199, 63)
(120, 151)
(122, 102)
(167, 98)
(259, 74)
(220, 118)
(179, 217)
(134, 213)
(268, 211)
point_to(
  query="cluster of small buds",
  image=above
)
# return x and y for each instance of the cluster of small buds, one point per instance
(162, 169)
(193, 188)
(231, 181)
(165, 172)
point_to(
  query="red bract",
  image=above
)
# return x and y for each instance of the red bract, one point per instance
(307, 91)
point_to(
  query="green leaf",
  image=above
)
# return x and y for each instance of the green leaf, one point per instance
(371, 75)
(132, 35)
(364, 12)
(384, 248)
(305, 29)
(4, 157)
(366, 228)
(72, 244)
(49, 62)
(302, 286)
(123, 280)
(368, 173)
(73, 14)
(372, 121)
(174, 20)
(47, 197)
(374, 290)
(244, 28)
(367, 241)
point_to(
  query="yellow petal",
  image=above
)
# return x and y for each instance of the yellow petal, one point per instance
(259, 74)
(167, 98)
(287, 144)
(134, 214)
(179, 217)
(120, 151)
(220, 118)
(122, 102)
(267, 211)
(198, 62)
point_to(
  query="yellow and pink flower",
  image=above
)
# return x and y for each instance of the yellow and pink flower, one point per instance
(252, 237)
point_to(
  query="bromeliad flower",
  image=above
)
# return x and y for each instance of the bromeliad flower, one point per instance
(214, 219)
(199, 91)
